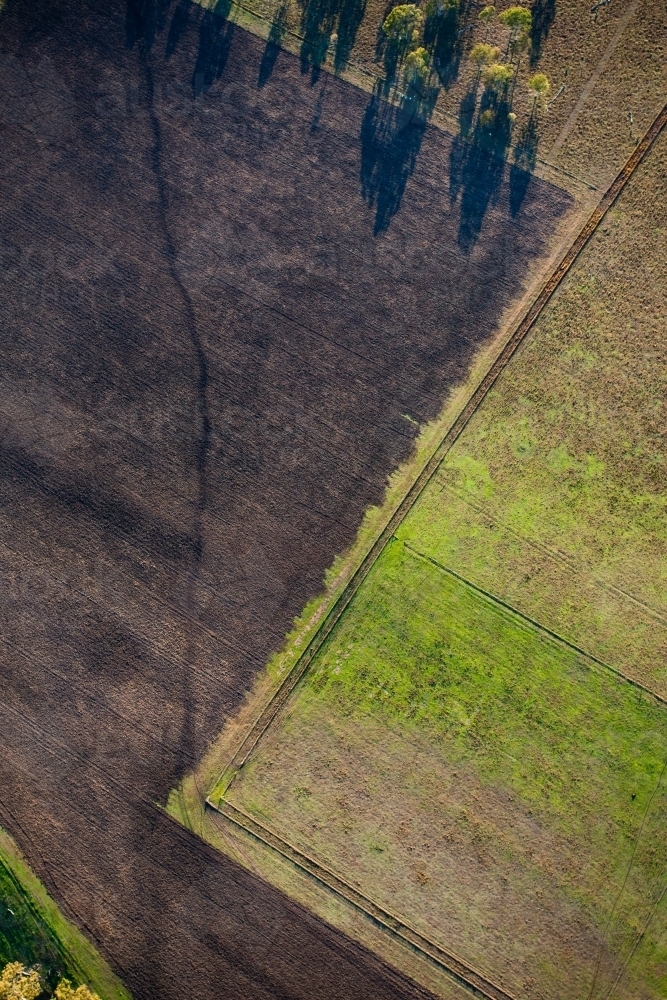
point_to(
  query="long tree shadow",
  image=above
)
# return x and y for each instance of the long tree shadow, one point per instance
(178, 26)
(525, 158)
(391, 137)
(380, 37)
(215, 39)
(276, 34)
(477, 163)
(321, 20)
(445, 39)
(544, 12)
(144, 19)
(461, 143)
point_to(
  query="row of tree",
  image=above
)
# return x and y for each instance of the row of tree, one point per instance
(19, 983)
(497, 75)
(404, 32)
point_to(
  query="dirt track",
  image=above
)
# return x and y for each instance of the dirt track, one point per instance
(210, 341)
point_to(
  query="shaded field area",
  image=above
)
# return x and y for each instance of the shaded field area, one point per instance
(225, 311)
(606, 66)
(471, 747)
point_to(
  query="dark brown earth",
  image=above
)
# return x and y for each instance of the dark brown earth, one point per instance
(210, 345)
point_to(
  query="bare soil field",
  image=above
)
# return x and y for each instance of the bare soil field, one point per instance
(225, 309)
(471, 747)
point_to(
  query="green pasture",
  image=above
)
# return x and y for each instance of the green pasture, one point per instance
(33, 931)
(541, 539)
(576, 748)
(580, 746)
(554, 497)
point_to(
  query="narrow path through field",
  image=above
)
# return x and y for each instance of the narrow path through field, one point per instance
(588, 89)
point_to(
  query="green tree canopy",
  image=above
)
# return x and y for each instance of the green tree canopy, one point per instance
(497, 77)
(65, 991)
(437, 8)
(487, 15)
(417, 67)
(483, 54)
(539, 87)
(519, 19)
(403, 25)
(19, 983)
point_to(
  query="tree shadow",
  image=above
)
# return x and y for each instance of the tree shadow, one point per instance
(177, 27)
(544, 12)
(460, 142)
(351, 15)
(391, 137)
(320, 20)
(273, 42)
(215, 39)
(445, 40)
(477, 162)
(380, 38)
(144, 19)
(521, 171)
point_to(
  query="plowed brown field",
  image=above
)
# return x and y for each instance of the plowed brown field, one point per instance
(225, 309)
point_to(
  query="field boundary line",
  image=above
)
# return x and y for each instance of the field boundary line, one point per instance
(532, 621)
(428, 471)
(463, 973)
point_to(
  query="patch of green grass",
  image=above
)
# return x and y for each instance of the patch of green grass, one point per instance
(581, 748)
(553, 498)
(34, 932)
(25, 936)
(438, 733)
(421, 648)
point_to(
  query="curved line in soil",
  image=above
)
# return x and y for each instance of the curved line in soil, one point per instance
(203, 422)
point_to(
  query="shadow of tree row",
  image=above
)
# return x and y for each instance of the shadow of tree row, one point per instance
(394, 124)
(147, 19)
(324, 23)
(391, 137)
(397, 114)
(478, 161)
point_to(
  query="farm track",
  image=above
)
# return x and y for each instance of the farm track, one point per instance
(461, 972)
(281, 695)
